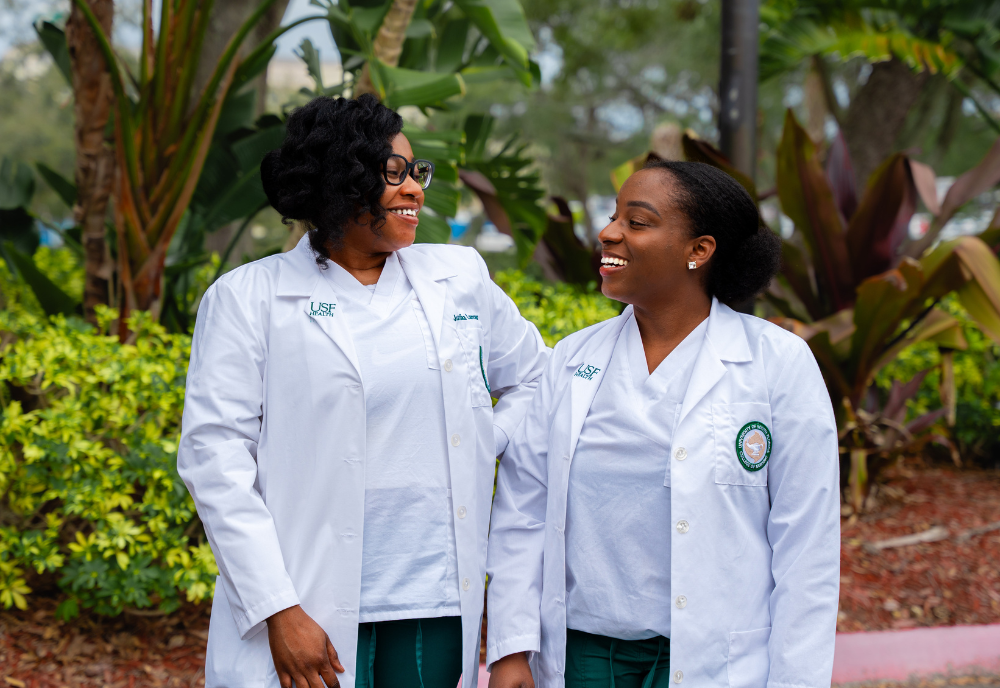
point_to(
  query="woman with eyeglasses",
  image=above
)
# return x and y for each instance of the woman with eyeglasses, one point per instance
(339, 437)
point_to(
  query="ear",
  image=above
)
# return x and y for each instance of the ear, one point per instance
(701, 249)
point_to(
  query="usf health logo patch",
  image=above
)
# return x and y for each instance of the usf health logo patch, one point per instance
(318, 308)
(753, 445)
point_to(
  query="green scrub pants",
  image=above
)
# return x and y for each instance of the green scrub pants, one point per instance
(411, 653)
(596, 661)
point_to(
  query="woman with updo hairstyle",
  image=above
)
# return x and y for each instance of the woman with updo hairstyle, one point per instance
(668, 512)
(340, 435)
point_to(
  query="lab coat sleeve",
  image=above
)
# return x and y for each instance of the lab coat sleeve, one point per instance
(516, 360)
(517, 532)
(217, 457)
(804, 523)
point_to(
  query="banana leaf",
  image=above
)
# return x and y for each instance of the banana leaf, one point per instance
(503, 23)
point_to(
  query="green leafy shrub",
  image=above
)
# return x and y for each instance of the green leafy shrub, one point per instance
(556, 309)
(90, 499)
(977, 386)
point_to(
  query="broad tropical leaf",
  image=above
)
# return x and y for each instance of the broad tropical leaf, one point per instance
(807, 199)
(51, 298)
(882, 219)
(696, 150)
(840, 173)
(64, 188)
(969, 184)
(880, 308)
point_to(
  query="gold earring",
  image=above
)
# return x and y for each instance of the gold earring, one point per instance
(692, 265)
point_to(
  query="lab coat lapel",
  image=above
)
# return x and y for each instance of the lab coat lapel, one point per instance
(585, 381)
(300, 276)
(725, 340)
(324, 310)
(429, 279)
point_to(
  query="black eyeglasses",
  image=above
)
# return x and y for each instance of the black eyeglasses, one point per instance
(397, 168)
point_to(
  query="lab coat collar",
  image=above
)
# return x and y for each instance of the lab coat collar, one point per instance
(427, 275)
(299, 272)
(725, 341)
(591, 362)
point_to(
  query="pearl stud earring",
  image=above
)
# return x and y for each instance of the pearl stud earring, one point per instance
(692, 265)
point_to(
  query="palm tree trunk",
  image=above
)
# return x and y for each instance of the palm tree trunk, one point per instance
(227, 16)
(95, 159)
(389, 41)
(877, 113)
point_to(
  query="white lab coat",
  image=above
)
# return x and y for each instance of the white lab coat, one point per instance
(755, 556)
(273, 443)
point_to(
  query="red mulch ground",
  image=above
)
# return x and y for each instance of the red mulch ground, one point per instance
(941, 583)
(36, 651)
(934, 584)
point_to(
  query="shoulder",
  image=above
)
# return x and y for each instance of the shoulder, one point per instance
(770, 339)
(253, 275)
(453, 256)
(788, 365)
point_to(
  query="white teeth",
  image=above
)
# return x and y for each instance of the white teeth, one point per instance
(404, 211)
(609, 260)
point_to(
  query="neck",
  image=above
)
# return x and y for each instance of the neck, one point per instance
(365, 265)
(665, 324)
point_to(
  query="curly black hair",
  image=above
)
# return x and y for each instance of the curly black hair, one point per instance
(747, 253)
(328, 170)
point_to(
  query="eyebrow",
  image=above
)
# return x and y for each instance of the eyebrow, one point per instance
(643, 204)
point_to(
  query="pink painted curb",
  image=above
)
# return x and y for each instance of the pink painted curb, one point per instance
(900, 655)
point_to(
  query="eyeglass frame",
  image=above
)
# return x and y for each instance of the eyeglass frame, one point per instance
(408, 171)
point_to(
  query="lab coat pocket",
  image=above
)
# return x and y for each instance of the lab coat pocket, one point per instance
(749, 663)
(742, 443)
(475, 364)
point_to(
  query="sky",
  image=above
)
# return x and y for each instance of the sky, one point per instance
(17, 16)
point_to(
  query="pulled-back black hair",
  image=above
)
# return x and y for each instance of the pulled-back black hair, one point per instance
(747, 253)
(329, 167)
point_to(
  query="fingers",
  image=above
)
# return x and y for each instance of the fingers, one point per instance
(284, 679)
(329, 677)
(331, 652)
(313, 680)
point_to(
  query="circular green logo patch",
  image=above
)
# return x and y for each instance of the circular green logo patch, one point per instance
(753, 445)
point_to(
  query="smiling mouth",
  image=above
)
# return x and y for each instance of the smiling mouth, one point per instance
(404, 212)
(612, 262)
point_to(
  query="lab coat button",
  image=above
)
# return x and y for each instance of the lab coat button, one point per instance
(465, 584)
(681, 454)
(678, 676)
(455, 440)
(566, 457)
(683, 526)
(461, 512)
(681, 601)
(447, 365)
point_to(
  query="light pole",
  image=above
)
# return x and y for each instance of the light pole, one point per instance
(738, 84)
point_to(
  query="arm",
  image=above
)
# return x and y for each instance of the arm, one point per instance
(517, 532)
(517, 358)
(804, 524)
(217, 457)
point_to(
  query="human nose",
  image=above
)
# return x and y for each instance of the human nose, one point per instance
(611, 234)
(411, 187)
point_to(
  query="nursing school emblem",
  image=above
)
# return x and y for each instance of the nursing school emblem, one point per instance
(753, 445)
